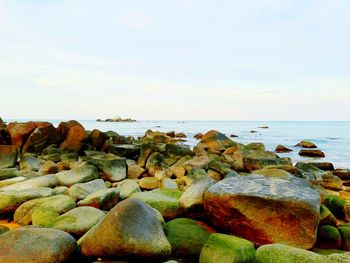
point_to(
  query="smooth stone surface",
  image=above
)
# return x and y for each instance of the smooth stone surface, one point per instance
(149, 183)
(36, 245)
(8, 173)
(82, 190)
(78, 220)
(312, 153)
(306, 144)
(11, 200)
(111, 170)
(58, 203)
(328, 237)
(80, 174)
(265, 210)
(127, 188)
(187, 236)
(104, 199)
(41, 181)
(227, 249)
(132, 229)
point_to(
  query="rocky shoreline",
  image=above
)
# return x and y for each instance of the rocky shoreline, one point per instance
(72, 195)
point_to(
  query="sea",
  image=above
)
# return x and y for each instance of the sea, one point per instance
(332, 137)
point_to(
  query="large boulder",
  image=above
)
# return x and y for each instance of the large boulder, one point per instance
(132, 228)
(216, 141)
(97, 138)
(37, 245)
(4, 136)
(19, 131)
(8, 156)
(11, 200)
(81, 174)
(265, 210)
(187, 236)
(58, 203)
(227, 249)
(112, 170)
(311, 153)
(74, 135)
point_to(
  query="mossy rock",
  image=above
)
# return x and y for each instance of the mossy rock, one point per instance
(187, 236)
(328, 237)
(3, 229)
(336, 205)
(227, 249)
(326, 217)
(327, 252)
(43, 216)
(345, 234)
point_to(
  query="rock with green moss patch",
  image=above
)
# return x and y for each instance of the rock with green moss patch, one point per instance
(82, 190)
(336, 205)
(111, 170)
(187, 236)
(127, 188)
(8, 173)
(328, 237)
(41, 181)
(43, 216)
(166, 201)
(104, 199)
(326, 217)
(80, 174)
(345, 234)
(3, 229)
(227, 249)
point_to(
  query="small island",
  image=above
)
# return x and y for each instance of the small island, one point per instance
(116, 119)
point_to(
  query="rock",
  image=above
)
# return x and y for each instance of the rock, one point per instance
(55, 157)
(180, 135)
(312, 153)
(170, 134)
(135, 171)
(131, 229)
(343, 174)
(192, 198)
(287, 254)
(11, 181)
(97, 138)
(41, 181)
(9, 173)
(311, 173)
(328, 237)
(325, 166)
(174, 152)
(155, 163)
(221, 168)
(164, 200)
(11, 200)
(178, 168)
(48, 167)
(43, 216)
(19, 131)
(273, 172)
(149, 183)
(345, 235)
(187, 236)
(111, 170)
(336, 205)
(82, 190)
(198, 136)
(58, 203)
(306, 144)
(29, 162)
(282, 149)
(277, 202)
(127, 188)
(104, 199)
(8, 156)
(39, 245)
(332, 182)
(4, 136)
(69, 156)
(42, 136)
(81, 174)
(227, 249)
(74, 135)
(216, 141)
(326, 217)
(168, 183)
(124, 150)
(3, 229)
(78, 220)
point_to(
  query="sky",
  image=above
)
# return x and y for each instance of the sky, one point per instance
(175, 59)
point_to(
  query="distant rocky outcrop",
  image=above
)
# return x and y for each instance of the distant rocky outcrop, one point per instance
(116, 119)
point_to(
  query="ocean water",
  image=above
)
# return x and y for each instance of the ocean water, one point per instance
(333, 138)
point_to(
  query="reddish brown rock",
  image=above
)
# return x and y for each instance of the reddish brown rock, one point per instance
(282, 149)
(325, 166)
(74, 135)
(343, 174)
(306, 144)
(8, 156)
(180, 135)
(19, 132)
(312, 153)
(198, 136)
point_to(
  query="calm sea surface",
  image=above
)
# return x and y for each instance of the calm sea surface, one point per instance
(331, 137)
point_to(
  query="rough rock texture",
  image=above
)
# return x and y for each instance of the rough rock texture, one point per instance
(41, 181)
(265, 210)
(132, 228)
(104, 199)
(36, 245)
(19, 131)
(312, 153)
(80, 174)
(74, 135)
(82, 190)
(8, 156)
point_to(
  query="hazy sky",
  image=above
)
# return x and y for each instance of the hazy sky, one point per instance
(179, 59)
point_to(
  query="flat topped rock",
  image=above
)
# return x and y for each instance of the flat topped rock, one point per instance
(265, 210)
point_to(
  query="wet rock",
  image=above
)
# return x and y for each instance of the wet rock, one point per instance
(325, 166)
(343, 174)
(74, 135)
(155, 163)
(34, 244)
(131, 229)
(328, 237)
(78, 220)
(41, 181)
(127, 188)
(291, 205)
(11, 181)
(221, 168)
(164, 200)
(124, 150)
(312, 153)
(81, 174)
(336, 205)
(180, 135)
(282, 149)
(306, 144)
(226, 249)
(58, 203)
(310, 172)
(168, 183)
(345, 235)
(332, 182)
(104, 199)
(11, 200)
(8, 156)
(82, 190)
(187, 236)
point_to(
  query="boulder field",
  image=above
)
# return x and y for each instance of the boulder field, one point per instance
(72, 195)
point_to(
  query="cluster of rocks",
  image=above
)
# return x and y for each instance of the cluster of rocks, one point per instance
(81, 196)
(116, 119)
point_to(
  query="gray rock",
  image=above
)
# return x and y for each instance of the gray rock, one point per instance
(39, 245)
(81, 174)
(112, 170)
(127, 187)
(41, 181)
(29, 162)
(82, 190)
(104, 199)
